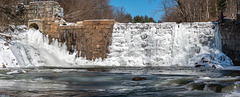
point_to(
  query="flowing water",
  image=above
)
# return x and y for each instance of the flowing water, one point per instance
(109, 81)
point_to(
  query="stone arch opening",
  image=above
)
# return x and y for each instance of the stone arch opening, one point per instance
(34, 25)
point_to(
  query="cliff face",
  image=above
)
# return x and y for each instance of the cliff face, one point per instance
(230, 41)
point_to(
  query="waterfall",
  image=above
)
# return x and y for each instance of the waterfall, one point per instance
(133, 44)
(142, 44)
(218, 37)
(166, 44)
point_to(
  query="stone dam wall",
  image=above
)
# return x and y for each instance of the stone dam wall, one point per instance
(91, 39)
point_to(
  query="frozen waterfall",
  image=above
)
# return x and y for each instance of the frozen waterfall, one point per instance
(133, 44)
(166, 44)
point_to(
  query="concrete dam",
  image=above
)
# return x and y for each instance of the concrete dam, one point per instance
(132, 44)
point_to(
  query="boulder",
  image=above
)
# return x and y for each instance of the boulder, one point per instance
(197, 66)
(139, 78)
(3, 66)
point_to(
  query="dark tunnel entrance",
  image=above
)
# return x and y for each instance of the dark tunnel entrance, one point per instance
(34, 25)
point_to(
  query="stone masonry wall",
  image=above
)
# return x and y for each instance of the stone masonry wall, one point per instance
(91, 39)
(94, 39)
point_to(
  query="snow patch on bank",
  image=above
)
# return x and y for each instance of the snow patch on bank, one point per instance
(7, 58)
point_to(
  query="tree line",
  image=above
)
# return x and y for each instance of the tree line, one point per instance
(174, 11)
(97, 9)
(74, 10)
(198, 10)
(8, 13)
(122, 16)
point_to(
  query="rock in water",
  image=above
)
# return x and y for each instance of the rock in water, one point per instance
(139, 78)
(57, 71)
(214, 67)
(3, 66)
(195, 86)
(6, 44)
(197, 66)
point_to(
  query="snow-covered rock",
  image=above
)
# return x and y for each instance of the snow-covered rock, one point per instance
(212, 58)
(13, 72)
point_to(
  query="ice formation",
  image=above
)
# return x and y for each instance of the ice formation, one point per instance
(168, 44)
(148, 44)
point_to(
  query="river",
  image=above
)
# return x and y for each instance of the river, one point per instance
(117, 81)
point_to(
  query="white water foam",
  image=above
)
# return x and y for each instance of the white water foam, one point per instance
(233, 94)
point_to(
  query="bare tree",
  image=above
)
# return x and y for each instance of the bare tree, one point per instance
(76, 10)
(189, 11)
(120, 15)
(9, 14)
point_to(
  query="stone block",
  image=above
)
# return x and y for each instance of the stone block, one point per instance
(98, 22)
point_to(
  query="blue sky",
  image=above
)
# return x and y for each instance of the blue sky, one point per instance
(140, 7)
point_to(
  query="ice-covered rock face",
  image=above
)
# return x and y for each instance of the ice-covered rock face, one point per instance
(166, 44)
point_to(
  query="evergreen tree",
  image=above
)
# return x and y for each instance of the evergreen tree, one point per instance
(146, 19)
(151, 20)
(128, 18)
(222, 5)
(141, 19)
(138, 19)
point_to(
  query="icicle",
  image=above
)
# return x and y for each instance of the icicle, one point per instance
(218, 37)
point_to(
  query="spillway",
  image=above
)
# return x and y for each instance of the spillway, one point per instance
(167, 44)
